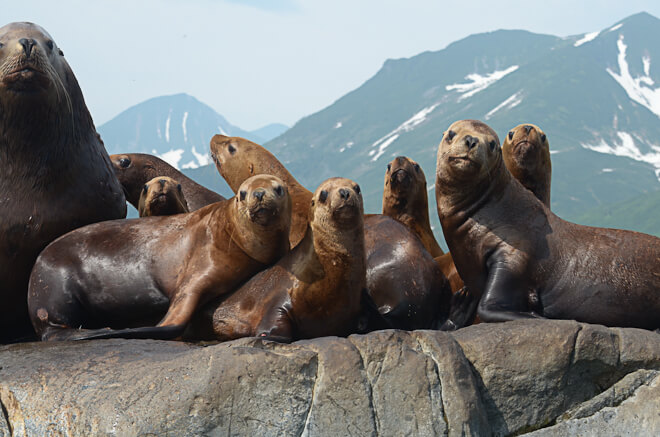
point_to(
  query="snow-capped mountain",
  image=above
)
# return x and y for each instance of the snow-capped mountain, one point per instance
(597, 97)
(176, 128)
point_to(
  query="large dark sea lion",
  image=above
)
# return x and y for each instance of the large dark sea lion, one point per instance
(55, 174)
(129, 273)
(313, 291)
(405, 199)
(526, 154)
(136, 169)
(162, 196)
(522, 260)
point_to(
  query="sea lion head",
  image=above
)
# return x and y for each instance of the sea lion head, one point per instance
(162, 195)
(526, 151)
(468, 153)
(238, 159)
(33, 68)
(337, 203)
(264, 201)
(133, 170)
(404, 181)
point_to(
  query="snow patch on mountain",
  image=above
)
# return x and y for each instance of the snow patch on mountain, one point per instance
(638, 89)
(183, 125)
(167, 128)
(617, 27)
(172, 157)
(509, 103)
(338, 125)
(626, 147)
(222, 131)
(586, 38)
(406, 126)
(479, 82)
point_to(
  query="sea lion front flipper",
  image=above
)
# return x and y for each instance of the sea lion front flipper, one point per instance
(505, 297)
(461, 311)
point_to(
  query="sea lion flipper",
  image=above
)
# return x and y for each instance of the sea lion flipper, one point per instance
(505, 298)
(462, 310)
(276, 325)
(150, 332)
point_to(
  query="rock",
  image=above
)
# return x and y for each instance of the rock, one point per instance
(501, 379)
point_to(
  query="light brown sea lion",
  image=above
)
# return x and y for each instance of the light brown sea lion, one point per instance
(405, 199)
(129, 273)
(521, 260)
(162, 196)
(313, 291)
(526, 154)
(55, 174)
(399, 288)
(134, 170)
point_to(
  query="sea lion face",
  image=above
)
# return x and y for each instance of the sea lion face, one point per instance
(233, 159)
(526, 149)
(403, 179)
(31, 64)
(469, 150)
(263, 200)
(162, 196)
(132, 171)
(337, 203)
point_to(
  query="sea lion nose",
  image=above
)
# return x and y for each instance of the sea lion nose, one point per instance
(471, 141)
(344, 193)
(527, 128)
(27, 44)
(259, 194)
(162, 182)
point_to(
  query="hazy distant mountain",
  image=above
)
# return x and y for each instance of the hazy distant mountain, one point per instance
(177, 128)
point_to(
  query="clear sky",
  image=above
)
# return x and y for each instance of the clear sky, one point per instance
(259, 62)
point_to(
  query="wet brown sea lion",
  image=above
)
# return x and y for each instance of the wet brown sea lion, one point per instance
(55, 174)
(399, 288)
(162, 196)
(135, 169)
(526, 154)
(405, 199)
(313, 291)
(522, 260)
(129, 273)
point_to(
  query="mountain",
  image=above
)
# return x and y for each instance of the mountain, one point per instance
(595, 95)
(177, 128)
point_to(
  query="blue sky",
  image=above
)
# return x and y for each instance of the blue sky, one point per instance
(258, 62)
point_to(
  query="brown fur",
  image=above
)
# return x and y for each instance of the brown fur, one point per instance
(162, 196)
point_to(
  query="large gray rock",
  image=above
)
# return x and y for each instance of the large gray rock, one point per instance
(556, 377)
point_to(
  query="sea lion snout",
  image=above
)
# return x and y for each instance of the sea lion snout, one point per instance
(28, 44)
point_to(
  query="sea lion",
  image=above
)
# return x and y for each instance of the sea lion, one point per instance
(162, 196)
(521, 260)
(397, 289)
(526, 155)
(55, 174)
(128, 273)
(134, 170)
(315, 290)
(405, 199)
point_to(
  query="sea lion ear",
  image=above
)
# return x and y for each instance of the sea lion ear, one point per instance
(145, 188)
(492, 145)
(510, 135)
(416, 166)
(357, 189)
(543, 138)
(242, 194)
(178, 187)
(450, 135)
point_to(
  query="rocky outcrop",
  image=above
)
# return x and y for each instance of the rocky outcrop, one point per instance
(538, 376)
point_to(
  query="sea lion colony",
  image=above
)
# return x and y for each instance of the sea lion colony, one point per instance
(277, 260)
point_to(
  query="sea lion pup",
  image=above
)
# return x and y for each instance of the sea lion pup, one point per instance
(405, 199)
(237, 159)
(526, 155)
(313, 291)
(521, 259)
(55, 174)
(162, 196)
(388, 283)
(134, 170)
(129, 273)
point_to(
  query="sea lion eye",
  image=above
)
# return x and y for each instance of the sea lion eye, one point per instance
(50, 44)
(178, 187)
(322, 196)
(231, 149)
(450, 135)
(416, 166)
(492, 145)
(124, 162)
(243, 194)
(1, 45)
(145, 188)
(510, 135)
(357, 188)
(543, 137)
(278, 190)
(389, 167)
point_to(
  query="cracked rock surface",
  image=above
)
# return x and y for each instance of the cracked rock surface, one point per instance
(536, 376)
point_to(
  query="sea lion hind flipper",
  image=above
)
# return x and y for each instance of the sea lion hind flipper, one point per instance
(276, 326)
(148, 332)
(505, 298)
(370, 318)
